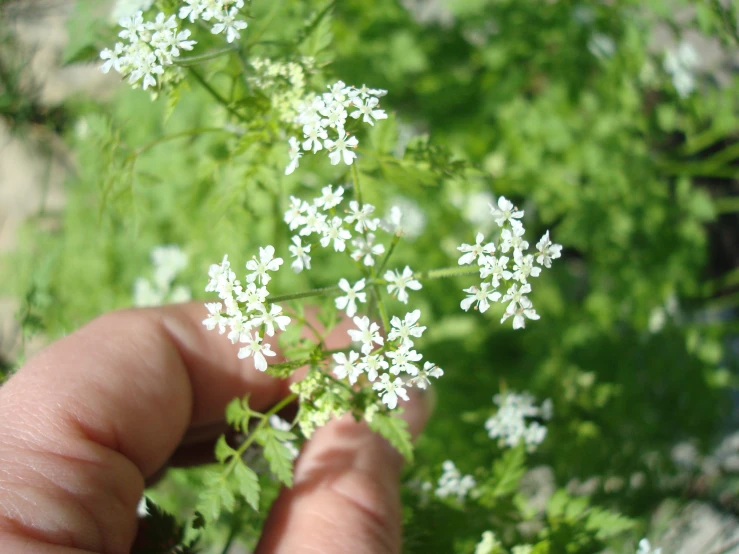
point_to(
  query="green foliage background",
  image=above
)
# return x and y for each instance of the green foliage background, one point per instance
(638, 184)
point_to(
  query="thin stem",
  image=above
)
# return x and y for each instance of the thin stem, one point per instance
(231, 536)
(182, 134)
(265, 420)
(324, 291)
(445, 272)
(192, 60)
(214, 93)
(393, 244)
(357, 186)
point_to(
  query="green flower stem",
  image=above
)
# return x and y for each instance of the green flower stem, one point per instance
(323, 291)
(214, 93)
(193, 60)
(175, 136)
(393, 244)
(265, 421)
(357, 186)
(445, 272)
(376, 282)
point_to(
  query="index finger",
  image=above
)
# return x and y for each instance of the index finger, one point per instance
(85, 421)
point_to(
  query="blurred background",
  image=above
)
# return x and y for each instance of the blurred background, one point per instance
(613, 124)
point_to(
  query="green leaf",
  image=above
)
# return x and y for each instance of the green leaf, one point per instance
(606, 524)
(238, 413)
(395, 431)
(508, 471)
(216, 497)
(317, 35)
(223, 450)
(248, 484)
(280, 460)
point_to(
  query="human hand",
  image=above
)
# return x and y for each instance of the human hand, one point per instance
(86, 422)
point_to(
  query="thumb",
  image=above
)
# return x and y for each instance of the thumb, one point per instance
(346, 492)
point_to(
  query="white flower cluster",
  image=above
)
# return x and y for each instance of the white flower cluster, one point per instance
(168, 261)
(318, 224)
(151, 46)
(223, 13)
(328, 113)
(284, 83)
(383, 362)
(258, 317)
(681, 64)
(510, 426)
(154, 45)
(453, 483)
(646, 548)
(488, 544)
(493, 259)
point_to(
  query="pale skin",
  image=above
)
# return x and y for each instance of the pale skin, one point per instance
(91, 418)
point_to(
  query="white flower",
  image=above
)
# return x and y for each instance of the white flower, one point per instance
(646, 548)
(366, 110)
(256, 348)
(335, 232)
(366, 250)
(168, 262)
(329, 198)
(365, 92)
(513, 238)
(476, 251)
(405, 218)
(340, 148)
(524, 310)
(488, 545)
(510, 426)
(390, 390)
(229, 24)
(372, 365)
(294, 214)
(271, 319)
(133, 27)
(334, 117)
(362, 217)
(145, 294)
(346, 367)
(367, 333)
(398, 283)
(353, 294)
(505, 211)
(313, 221)
(515, 295)
(113, 58)
(215, 317)
(314, 136)
(524, 267)
(406, 328)
(495, 267)
(301, 255)
(403, 359)
(681, 64)
(295, 155)
(480, 296)
(192, 10)
(546, 251)
(266, 262)
(216, 272)
(239, 325)
(429, 370)
(452, 483)
(253, 297)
